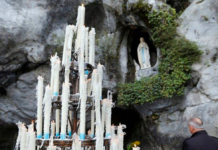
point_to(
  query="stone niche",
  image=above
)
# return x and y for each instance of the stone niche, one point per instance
(134, 39)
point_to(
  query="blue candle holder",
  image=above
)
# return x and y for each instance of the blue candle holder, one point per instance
(82, 136)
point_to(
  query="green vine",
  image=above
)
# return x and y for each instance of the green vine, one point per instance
(177, 56)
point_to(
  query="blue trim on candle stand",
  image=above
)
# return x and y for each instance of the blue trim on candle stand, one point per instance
(63, 136)
(82, 136)
(108, 135)
(57, 134)
(86, 72)
(69, 133)
(39, 136)
(92, 135)
(55, 93)
(46, 136)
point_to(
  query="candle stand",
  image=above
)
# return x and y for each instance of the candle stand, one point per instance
(74, 103)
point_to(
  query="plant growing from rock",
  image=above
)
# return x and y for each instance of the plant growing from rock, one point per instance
(177, 56)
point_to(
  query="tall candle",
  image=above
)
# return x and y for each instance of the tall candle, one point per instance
(86, 45)
(83, 98)
(57, 119)
(65, 45)
(64, 109)
(92, 47)
(53, 60)
(120, 136)
(92, 122)
(67, 67)
(100, 78)
(23, 138)
(56, 78)
(80, 24)
(52, 128)
(32, 141)
(19, 125)
(112, 131)
(39, 106)
(47, 111)
(108, 118)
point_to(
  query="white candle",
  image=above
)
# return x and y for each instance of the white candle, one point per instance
(56, 78)
(51, 145)
(114, 143)
(65, 45)
(100, 78)
(83, 98)
(92, 123)
(47, 111)
(92, 47)
(57, 119)
(64, 109)
(23, 138)
(120, 136)
(69, 127)
(80, 24)
(135, 148)
(39, 106)
(67, 67)
(53, 128)
(32, 141)
(53, 60)
(86, 45)
(108, 119)
(19, 125)
(113, 131)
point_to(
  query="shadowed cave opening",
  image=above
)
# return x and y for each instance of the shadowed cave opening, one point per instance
(134, 39)
(133, 122)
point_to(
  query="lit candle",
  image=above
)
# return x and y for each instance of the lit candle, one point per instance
(56, 78)
(57, 119)
(80, 24)
(64, 109)
(135, 147)
(52, 128)
(47, 111)
(23, 138)
(86, 45)
(39, 106)
(83, 98)
(92, 47)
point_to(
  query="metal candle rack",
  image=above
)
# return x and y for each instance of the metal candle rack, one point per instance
(88, 143)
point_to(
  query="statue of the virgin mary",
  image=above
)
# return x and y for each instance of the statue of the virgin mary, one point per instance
(143, 54)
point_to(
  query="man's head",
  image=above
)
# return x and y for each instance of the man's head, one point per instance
(195, 124)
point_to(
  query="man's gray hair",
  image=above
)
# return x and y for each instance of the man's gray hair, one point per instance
(196, 123)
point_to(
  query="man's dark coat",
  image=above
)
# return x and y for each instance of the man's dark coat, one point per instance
(200, 141)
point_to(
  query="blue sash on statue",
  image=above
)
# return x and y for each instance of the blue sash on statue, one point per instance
(143, 55)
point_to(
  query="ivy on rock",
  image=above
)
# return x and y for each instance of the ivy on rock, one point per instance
(177, 56)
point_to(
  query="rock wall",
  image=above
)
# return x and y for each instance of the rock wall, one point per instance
(31, 31)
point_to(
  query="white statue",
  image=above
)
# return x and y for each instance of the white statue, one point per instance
(143, 54)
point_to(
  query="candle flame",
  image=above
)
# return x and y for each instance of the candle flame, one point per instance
(135, 145)
(53, 121)
(82, 5)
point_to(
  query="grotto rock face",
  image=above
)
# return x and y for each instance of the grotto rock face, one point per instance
(31, 31)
